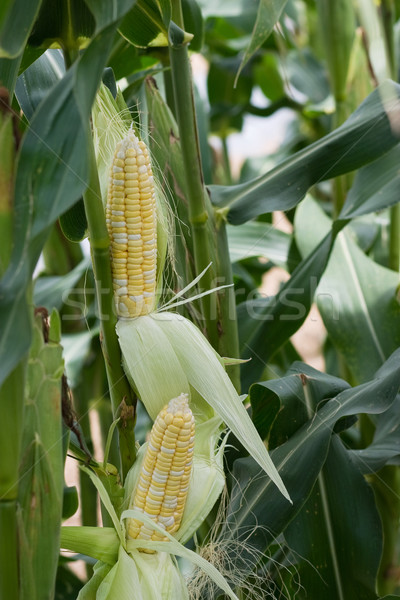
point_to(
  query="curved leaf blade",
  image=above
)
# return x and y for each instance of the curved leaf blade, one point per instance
(299, 461)
(13, 39)
(338, 533)
(51, 176)
(268, 14)
(357, 314)
(376, 186)
(265, 324)
(365, 136)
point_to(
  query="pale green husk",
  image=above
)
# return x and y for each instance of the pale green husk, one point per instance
(165, 355)
(129, 573)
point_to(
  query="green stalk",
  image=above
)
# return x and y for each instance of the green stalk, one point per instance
(388, 21)
(337, 23)
(227, 165)
(59, 254)
(169, 88)
(229, 337)
(209, 239)
(199, 213)
(8, 551)
(12, 390)
(122, 397)
(90, 386)
(394, 238)
(11, 418)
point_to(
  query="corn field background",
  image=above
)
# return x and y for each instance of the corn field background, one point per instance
(71, 73)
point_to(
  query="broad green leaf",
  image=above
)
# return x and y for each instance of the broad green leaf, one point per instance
(385, 446)
(13, 38)
(193, 21)
(269, 13)
(299, 460)
(41, 467)
(265, 324)
(357, 315)
(337, 533)
(365, 136)
(52, 174)
(228, 103)
(5, 6)
(267, 76)
(307, 75)
(290, 392)
(37, 80)
(144, 26)
(73, 222)
(51, 291)
(375, 186)
(66, 24)
(9, 68)
(259, 239)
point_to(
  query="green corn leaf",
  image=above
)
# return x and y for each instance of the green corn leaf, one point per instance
(375, 186)
(265, 324)
(366, 135)
(44, 183)
(355, 314)
(259, 239)
(338, 533)
(144, 25)
(269, 12)
(299, 460)
(37, 80)
(13, 39)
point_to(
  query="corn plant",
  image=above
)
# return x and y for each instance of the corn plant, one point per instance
(132, 258)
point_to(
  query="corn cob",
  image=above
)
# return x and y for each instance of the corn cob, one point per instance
(132, 227)
(164, 478)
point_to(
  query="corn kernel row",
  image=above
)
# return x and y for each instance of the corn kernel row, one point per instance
(132, 227)
(164, 478)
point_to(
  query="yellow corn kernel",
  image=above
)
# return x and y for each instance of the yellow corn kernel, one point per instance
(164, 477)
(132, 227)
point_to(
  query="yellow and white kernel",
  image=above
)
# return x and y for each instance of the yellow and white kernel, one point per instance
(132, 227)
(165, 473)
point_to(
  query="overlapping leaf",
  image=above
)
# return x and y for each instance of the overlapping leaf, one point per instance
(356, 296)
(52, 174)
(368, 134)
(299, 461)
